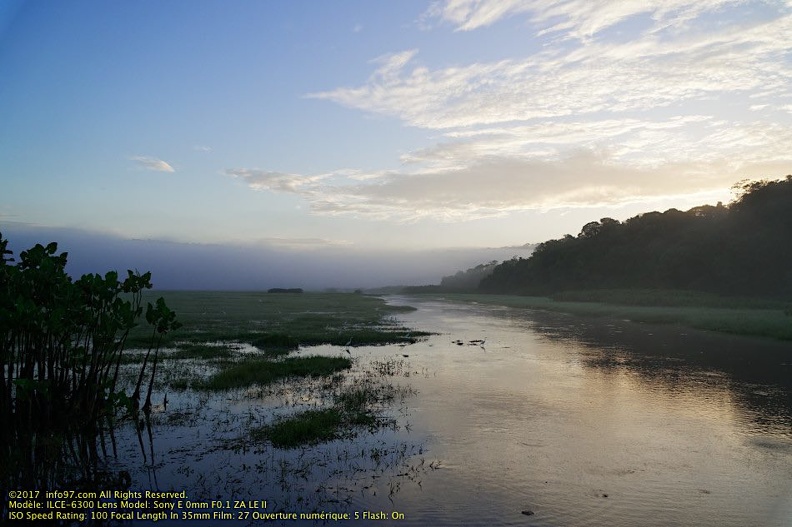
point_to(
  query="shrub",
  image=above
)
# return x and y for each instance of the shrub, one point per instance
(61, 347)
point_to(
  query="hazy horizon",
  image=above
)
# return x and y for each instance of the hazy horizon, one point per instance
(197, 266)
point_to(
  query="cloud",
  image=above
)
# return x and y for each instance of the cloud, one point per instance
(496, 187)
(277, 181)
(644, 74)
(472, 14)
(492, 186)
(579, 18)
(692, 98)
(151, 163)
(680, 140)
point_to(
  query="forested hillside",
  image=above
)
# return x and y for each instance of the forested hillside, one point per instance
(743, 249)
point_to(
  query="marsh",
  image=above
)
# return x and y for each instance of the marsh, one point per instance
(501, 411)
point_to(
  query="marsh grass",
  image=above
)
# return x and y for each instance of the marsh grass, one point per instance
(262, 371)
(301, 412)
(215, 322)
(755, 322)
(358, 406)
(280, 323)
(201, 351)
(275, 344)
(308, 427)
(667, 298)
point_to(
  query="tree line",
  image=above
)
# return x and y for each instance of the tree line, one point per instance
(741, 249)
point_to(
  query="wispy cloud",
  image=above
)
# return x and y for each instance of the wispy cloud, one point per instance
(152, 163)
(466, 15)
(277, 181)
(695, 99)
(641, 75)
(576, 18)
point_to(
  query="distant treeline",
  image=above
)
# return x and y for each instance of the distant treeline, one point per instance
(470, 279)
(285, 290)
(462, 281)
(743, 249)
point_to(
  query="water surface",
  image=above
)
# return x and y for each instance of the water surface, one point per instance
(597, 422)
(577, 421)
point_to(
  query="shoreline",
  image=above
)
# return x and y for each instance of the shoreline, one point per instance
(757, 323)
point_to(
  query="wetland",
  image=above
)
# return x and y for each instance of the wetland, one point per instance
(458, 412)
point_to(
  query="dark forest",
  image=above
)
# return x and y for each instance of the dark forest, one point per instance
(740, 249)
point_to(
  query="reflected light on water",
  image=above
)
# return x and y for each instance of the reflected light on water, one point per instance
(579, 422)
(584, 428)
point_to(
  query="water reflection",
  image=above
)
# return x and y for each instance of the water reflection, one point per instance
(582, 422)
(755, 374)
(594, 422)
(39, 454)
(203, 444)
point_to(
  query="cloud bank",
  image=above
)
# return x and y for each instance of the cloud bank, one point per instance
(305, 263)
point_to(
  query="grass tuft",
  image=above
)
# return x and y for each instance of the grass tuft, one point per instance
(275, 343)
(354, 408)
(260, 371)
(309, 427)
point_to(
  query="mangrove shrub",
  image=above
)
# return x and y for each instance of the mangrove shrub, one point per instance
(61, 348)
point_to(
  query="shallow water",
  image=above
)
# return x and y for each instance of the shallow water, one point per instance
(593, 422)
(582, 422)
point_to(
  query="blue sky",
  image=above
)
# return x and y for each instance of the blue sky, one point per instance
(386, 126)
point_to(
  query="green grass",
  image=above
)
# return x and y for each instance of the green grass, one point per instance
(276, 322)
(276, 343)
(185, 351)
(756, 322)
(200, 351)
(357, 403)
(309, 427)
(667, 297)
(354, 408)
(262, 371)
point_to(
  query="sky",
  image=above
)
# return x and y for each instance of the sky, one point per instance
(373, 135)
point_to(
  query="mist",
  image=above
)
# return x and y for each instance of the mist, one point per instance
(195, 266)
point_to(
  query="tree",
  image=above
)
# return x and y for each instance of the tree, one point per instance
(740, 249)
(61, 348)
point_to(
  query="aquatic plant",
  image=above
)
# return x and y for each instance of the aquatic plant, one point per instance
(279, 323)
(358, 403)
(263, 371)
